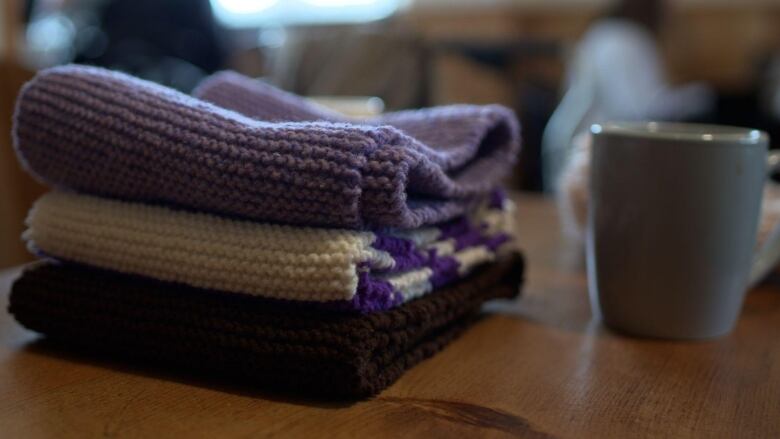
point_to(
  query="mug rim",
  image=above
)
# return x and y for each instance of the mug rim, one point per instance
(681, 131)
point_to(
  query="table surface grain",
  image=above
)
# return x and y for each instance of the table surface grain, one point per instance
(538, 367)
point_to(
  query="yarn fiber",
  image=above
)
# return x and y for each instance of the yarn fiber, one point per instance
(248, 232)
(275, 345)
(108, 134)
(452, 128)
(275, 261)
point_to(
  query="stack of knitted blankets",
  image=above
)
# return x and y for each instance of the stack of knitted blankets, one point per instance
(246, 231)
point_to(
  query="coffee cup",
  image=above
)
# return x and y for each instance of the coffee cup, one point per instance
(672, 224)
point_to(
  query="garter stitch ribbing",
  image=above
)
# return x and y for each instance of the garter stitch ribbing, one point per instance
(450, 128)
(275, 345)
(284, 262)
(109, 134)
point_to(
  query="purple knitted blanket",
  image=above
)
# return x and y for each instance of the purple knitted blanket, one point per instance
(109, 134)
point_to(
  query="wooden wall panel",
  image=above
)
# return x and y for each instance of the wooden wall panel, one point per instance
(717, 42)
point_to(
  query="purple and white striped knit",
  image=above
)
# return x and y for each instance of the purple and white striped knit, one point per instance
(108, 134)
(376, 293)
(339, 269)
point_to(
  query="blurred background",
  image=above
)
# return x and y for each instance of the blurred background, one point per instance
(560, 64)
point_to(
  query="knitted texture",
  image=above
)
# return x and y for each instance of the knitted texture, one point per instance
(260, 100)
(452, 128)
(109, 134)
(366, 271)
(272, 344)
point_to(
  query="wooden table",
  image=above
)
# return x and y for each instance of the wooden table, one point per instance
(540, 367)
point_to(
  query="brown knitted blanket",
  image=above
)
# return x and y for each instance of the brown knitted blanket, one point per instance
(275, 345)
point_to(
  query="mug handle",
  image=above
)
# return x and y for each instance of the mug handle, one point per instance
(768, 256)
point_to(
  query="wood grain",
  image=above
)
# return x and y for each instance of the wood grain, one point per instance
(539, 367)
(719, 42)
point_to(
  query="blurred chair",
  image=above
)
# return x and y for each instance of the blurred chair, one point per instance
(377, 59)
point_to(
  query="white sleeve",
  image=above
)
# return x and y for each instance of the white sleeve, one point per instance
(632, 83)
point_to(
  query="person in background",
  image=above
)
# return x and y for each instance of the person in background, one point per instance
(173, 42)
(617, 73)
